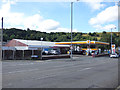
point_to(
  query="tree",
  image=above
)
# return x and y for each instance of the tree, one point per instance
(89, 33)
(28, 34)
(93, 34)
(104, 32)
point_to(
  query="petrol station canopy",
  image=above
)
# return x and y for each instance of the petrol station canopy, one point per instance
(83, 42)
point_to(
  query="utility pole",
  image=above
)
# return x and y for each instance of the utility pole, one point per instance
(111, 40)
(41, 47)
(1, 39)
(71, 27)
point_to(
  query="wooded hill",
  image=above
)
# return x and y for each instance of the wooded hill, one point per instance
(28, 34)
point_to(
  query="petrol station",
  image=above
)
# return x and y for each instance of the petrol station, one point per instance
(80, 45)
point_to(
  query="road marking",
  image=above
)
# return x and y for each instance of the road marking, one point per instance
(27, 63)
(56, 74)
(22, 64)
(49, 60)
(39, 61)
(68, 66)
(43, 71)
(84, 69)
(23, 71)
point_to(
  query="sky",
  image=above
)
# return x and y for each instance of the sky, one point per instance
(56, 16)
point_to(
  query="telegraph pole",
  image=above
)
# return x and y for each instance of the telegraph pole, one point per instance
(1, 39)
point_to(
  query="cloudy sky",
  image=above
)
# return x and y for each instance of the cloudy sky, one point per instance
(55, 16)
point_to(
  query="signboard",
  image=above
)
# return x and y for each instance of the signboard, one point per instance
(88, 41)
(113, 48)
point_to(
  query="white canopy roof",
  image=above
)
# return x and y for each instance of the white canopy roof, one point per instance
(35, 42)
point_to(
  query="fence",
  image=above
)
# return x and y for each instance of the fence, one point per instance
(20, 54)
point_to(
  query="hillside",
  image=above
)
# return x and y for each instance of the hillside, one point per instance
(28, 34)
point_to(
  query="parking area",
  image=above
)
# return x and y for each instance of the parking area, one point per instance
(81, 72)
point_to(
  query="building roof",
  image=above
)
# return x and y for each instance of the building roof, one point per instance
(35, 42)
(20, 44)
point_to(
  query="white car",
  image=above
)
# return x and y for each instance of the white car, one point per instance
(46, 52)
(54, 52)
(114, 55)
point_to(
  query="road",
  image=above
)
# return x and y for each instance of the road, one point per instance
(81, 72)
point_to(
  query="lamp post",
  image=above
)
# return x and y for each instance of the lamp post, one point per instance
(111, 39)
(41, 47)
(71, 27)
(41, 41)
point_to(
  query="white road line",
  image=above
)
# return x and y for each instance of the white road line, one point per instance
(84, 69)
(49, 60)
(23, 64)
(45, 76)
(23, 71)
(39, 61)
(53, 75)
(55, 68)
(62, 68)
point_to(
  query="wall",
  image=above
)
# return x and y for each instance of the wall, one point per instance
(20, 54)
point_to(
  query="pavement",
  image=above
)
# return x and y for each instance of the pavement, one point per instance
(81, 72)
(44, 57)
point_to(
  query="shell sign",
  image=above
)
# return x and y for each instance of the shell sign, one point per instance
(113, 48)
(88, 41)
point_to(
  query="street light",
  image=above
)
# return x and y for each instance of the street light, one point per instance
(111, 38)
(71, 27)
(41, 39)
(41, 46)
(41, 42)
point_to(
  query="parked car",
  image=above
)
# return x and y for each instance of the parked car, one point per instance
(114, 55)
(46, 52)
(54, 52)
